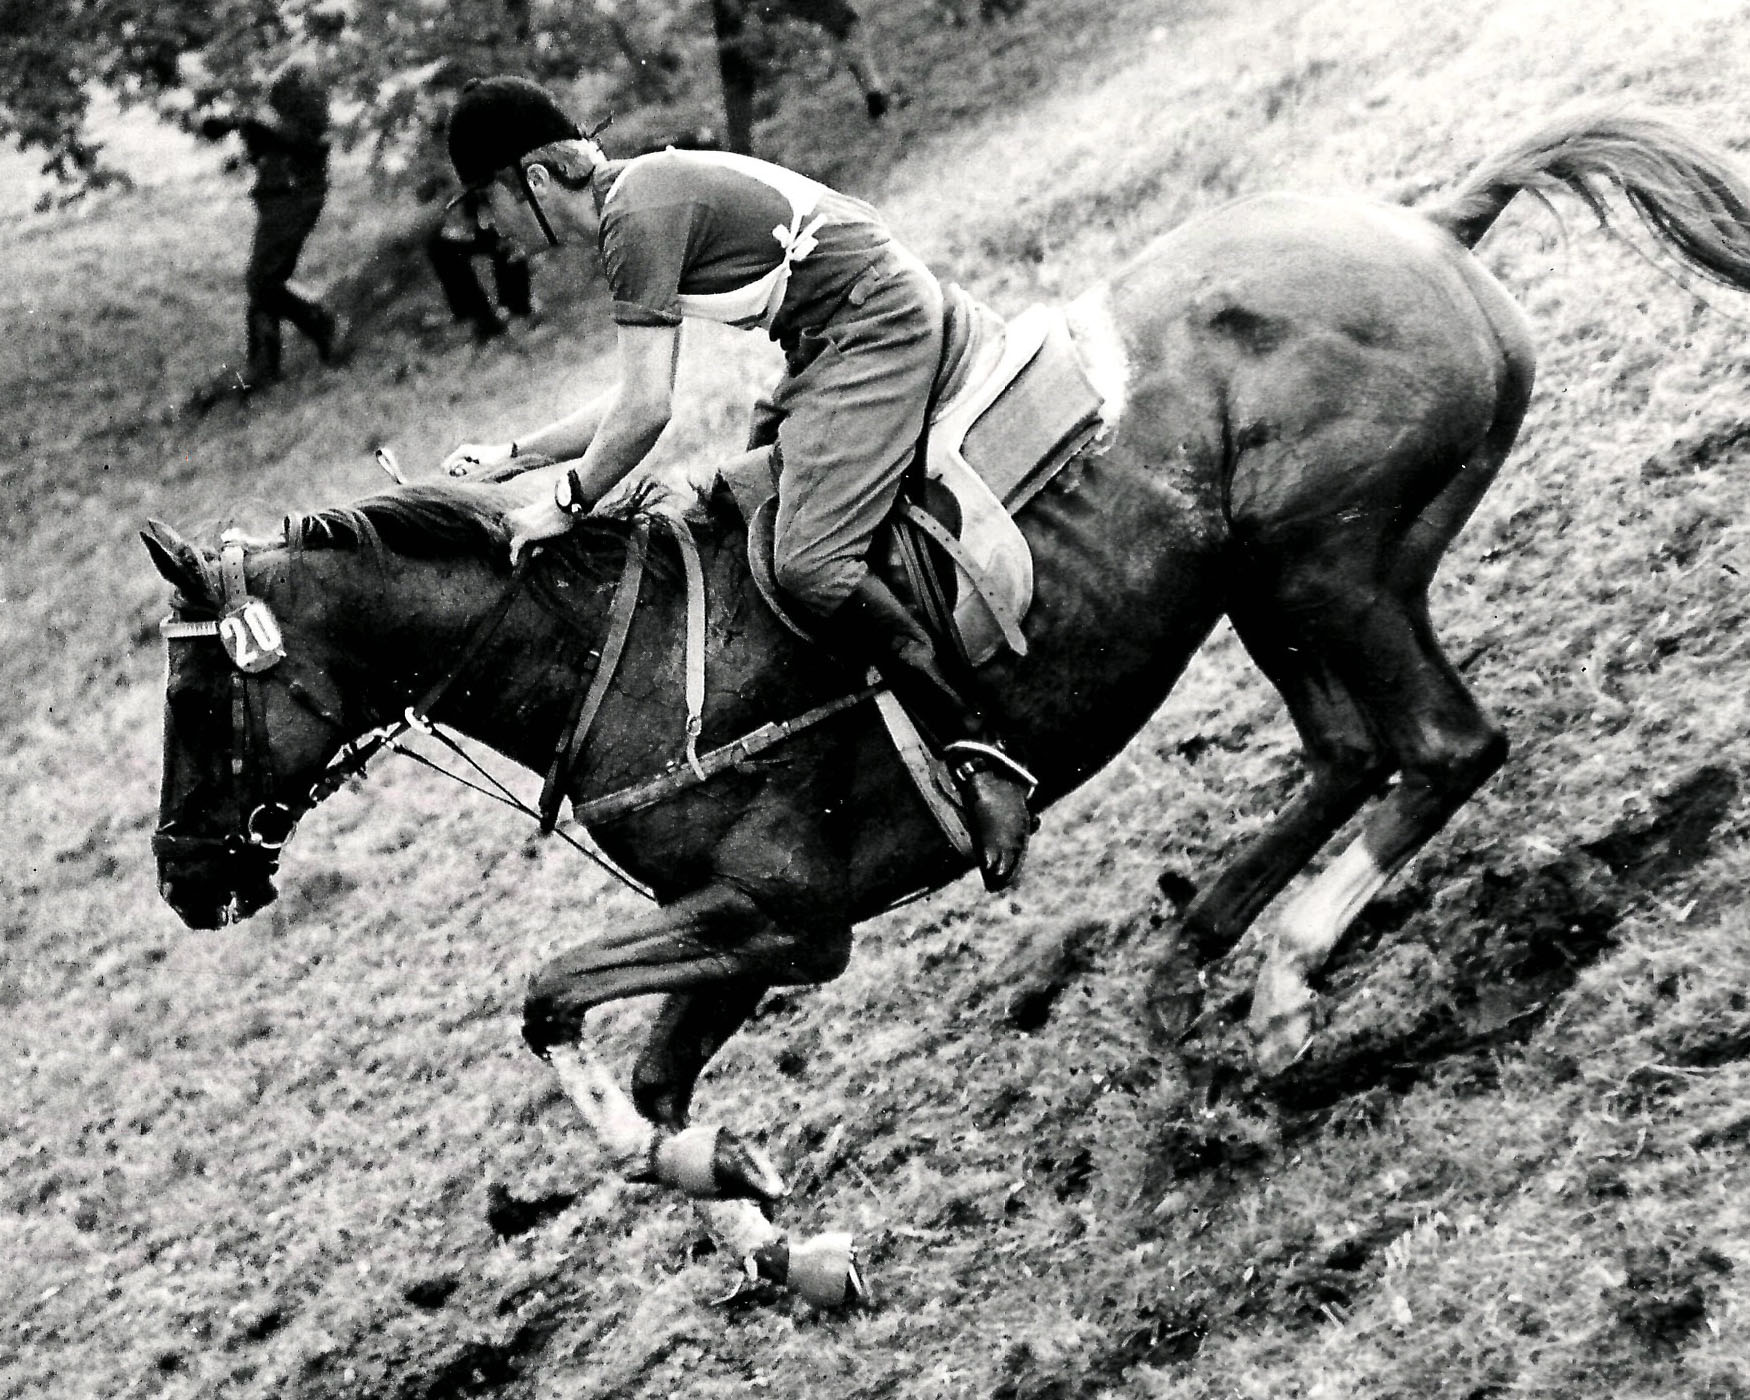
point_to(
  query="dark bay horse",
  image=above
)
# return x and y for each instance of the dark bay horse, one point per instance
(1307, 398)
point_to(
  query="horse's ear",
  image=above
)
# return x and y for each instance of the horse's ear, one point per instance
(179, 562)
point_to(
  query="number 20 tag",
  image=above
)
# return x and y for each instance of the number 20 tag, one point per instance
(251, 636)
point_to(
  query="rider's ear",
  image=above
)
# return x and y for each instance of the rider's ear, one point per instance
(179, 562)
(538, 177)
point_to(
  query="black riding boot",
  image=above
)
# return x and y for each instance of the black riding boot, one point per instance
(874, 628)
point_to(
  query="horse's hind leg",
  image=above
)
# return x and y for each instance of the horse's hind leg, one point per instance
(1375, 635)
(1347, 764)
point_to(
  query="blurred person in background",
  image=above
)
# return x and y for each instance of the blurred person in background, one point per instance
(466, 231)
(739, 55)
(286, 141)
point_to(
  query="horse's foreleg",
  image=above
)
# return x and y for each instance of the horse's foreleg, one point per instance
(717, 937)
(704, 1162)
(713, 937)
(690, 1028)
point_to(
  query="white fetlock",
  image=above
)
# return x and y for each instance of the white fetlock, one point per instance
(709, 1162)
(823, 1270)
(688, 1161)
(1281, 1019)
(629, 1138)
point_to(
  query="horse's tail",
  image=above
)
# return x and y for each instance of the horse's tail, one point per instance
(1689, 193)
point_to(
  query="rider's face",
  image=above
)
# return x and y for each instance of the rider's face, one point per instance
(516, 219)
(557, 178)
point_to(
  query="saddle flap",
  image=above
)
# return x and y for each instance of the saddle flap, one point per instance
(1015, 443)
(762, 527)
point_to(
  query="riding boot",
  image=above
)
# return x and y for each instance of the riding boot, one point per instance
(874, 628)
(263, 364)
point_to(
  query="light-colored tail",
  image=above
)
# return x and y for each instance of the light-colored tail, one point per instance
(1691, 194)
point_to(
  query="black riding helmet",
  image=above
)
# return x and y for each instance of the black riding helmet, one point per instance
(497, 121)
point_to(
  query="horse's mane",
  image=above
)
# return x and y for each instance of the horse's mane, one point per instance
(431, 520)
(447, 520)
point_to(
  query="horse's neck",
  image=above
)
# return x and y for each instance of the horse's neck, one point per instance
(397, 628)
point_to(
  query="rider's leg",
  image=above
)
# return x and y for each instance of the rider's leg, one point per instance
(852, 411)
(872, 627)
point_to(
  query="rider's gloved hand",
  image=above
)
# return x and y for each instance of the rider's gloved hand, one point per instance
(472, 458)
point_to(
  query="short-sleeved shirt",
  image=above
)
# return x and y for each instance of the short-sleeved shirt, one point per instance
(686, 223)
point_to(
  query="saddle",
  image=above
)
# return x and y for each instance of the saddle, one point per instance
(1012, 406)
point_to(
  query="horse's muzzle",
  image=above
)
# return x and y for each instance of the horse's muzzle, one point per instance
(211, 884)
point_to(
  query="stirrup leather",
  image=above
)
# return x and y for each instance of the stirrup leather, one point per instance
(968, 755)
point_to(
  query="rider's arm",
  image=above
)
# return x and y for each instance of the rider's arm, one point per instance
(568, 438)
(637, 412)
(647, 367)
(632, 416)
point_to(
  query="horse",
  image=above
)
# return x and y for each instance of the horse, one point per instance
(1306, 398)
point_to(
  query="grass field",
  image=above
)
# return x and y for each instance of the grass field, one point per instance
(263, 1162)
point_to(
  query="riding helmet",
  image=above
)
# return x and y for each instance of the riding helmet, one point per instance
(497, 121)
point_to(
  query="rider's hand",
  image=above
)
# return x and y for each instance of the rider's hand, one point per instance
(471, 458)
(539, 520)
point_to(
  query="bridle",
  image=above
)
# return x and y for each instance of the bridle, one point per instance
(262, 817)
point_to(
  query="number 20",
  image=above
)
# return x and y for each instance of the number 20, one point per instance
(250, 634)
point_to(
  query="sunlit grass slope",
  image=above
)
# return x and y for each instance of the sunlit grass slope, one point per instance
(257, 1162)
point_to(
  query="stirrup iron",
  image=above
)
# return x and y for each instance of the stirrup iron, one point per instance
(966, 755)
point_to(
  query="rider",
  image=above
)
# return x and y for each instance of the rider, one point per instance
(730, 239)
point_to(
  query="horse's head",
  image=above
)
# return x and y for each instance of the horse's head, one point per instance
(250, 722)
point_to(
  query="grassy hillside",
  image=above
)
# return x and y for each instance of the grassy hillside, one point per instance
(263, 1162)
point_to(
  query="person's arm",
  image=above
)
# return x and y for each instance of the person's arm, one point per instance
(613, 434)
(650, 364)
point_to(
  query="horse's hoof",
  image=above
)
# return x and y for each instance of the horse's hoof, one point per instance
(1282, 1040)
(1175, 997)
(744, 1170)
(710, 1163)
(824, 1271)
